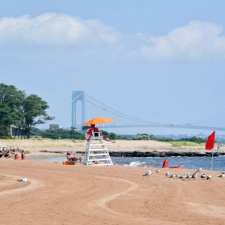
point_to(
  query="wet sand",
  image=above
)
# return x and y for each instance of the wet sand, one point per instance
(66, 195)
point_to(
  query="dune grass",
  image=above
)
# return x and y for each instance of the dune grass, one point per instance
(181, 144)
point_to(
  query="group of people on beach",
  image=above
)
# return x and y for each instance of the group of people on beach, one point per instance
(72, 157)
(11, 153)
(5, 153)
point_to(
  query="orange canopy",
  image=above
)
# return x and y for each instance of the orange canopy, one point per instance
(98, 120)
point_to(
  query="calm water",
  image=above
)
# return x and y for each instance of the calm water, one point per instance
(188, 162)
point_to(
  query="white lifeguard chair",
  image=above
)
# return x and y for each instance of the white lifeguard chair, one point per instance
(97, 153)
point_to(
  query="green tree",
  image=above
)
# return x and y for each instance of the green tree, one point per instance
(35, 112)
(20, 110)
(11, 111)
(59, 134)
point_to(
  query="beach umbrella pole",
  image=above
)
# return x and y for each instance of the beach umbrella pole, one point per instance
(209, 146)
(212, 161)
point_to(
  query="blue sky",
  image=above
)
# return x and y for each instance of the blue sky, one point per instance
(158, 60)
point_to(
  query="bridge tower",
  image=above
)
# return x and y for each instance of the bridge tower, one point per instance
(78, 96)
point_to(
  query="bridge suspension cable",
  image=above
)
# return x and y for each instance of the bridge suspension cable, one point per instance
(114, 111)
(133, 121)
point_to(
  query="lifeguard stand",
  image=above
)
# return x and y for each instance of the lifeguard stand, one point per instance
(97, 153)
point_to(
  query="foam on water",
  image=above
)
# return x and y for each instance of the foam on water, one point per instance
(137, 163)
(187, 162)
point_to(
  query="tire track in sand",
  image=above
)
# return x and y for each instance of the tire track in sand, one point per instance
(104, 201)
(31, 185)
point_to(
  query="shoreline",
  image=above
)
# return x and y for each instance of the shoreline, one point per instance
(143, 154)
(175, 163)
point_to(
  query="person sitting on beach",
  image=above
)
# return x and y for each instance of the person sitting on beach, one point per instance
(1, 153)
(6, 154)
(71, 157)
(68, 156)
(22, 154)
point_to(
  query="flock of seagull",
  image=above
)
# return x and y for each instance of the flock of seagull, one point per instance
(197, 174)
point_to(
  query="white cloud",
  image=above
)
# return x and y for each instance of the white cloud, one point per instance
(56, 29)
(195, 40)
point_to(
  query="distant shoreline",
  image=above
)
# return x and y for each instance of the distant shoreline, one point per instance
(147, 154)
(118, 148)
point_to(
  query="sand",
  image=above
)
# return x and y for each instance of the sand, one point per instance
(66, 195)
(36, 145)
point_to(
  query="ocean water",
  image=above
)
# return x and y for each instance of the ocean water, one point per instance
(187, 162)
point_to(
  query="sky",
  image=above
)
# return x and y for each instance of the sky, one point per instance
(162, 61)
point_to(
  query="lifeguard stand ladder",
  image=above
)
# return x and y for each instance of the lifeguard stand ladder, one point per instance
(97, 153)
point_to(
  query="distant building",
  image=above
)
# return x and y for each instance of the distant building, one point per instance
(54, 126)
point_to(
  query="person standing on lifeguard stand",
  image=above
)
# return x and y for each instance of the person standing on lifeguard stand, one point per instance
(97, 153)
(90, 132)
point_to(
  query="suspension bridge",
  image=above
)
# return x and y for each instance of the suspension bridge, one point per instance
(85, 107)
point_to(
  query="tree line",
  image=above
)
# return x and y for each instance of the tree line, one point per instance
(58, 134)
(69, 134)
(20, 111)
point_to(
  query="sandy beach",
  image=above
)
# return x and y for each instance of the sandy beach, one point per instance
(111, 112)
(66, 195)
(117, 148)
(35, 146)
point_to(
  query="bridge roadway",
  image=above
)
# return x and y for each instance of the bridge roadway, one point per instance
(172, 126)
